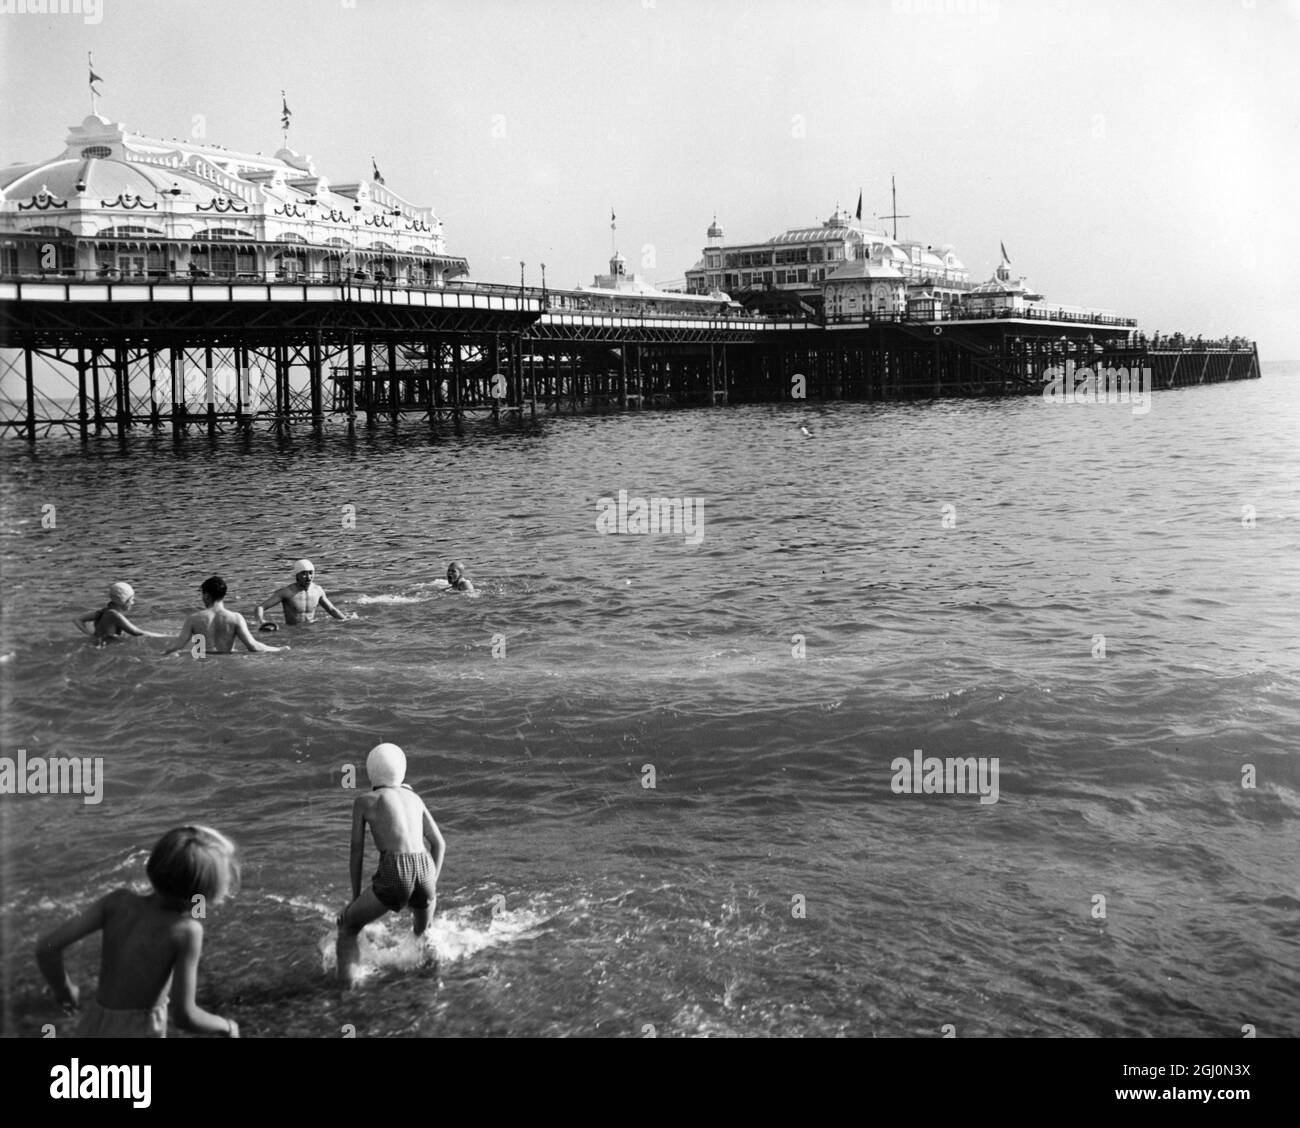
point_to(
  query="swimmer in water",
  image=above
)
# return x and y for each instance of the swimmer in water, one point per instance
(407, 874)
(111, 621)
(456, 578)
(299, 599)
(218, 626)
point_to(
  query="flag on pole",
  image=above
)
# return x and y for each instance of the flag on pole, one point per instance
(859, 203)
(378, 179)
(285, 112)
(611, 219)
(94, 78)
(1005, 257)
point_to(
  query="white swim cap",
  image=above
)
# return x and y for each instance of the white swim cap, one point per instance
(303, 565)
(121, 592)
(386, 765)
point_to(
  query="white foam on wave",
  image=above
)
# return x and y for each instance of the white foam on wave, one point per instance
(389, 943)
(390, 599)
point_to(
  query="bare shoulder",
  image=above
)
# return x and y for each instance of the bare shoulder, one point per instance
(120, 900)
(185, 931)
(412, 801)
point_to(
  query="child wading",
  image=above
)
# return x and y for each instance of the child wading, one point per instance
(151, 943)
(407, 874)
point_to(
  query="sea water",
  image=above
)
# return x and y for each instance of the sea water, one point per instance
(666, 770)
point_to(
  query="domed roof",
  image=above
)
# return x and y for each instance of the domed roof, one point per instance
(715, 232)
(97, 180)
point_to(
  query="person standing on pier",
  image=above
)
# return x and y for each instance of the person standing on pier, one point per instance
(299, 599)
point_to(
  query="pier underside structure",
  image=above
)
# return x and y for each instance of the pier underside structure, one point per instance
(115, 359)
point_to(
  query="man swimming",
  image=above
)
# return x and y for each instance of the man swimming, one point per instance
(218, 626)
(456, 578)
(299, 599)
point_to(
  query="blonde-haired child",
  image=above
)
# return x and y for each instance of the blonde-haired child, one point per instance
(152, 942)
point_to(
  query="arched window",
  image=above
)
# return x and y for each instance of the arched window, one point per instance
(129, 231)
(222, 233)
(59, 253)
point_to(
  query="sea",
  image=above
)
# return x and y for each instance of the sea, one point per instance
(673, 772)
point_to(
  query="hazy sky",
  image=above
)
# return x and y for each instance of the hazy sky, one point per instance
(1140, 156)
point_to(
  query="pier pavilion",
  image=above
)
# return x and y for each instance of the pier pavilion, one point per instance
(115, 204)
(813, 262)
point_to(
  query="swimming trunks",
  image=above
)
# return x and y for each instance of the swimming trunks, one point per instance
(404, 879)
(104, 1022)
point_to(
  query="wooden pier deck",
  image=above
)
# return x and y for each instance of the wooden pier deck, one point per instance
(95, 358)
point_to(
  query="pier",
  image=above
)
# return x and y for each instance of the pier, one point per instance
(97, 357)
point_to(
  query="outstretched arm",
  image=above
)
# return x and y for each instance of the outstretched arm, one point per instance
(187, 1013)
(182, 640)
(266, 605)
(434, 837)
(245, 636)
(49, 951)
(125, 624)
(334, 612)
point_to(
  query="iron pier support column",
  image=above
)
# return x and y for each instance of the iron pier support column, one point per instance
(83, 417)
(31, 393)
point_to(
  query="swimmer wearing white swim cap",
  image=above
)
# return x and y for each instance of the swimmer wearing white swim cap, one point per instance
(300, 599)
(386, 765)
(411, 850)
(110, 622)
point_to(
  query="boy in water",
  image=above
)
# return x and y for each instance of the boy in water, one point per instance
(151, 943)
(111, 621)
(218, 626)
(299, 599)
(456, 578)
(401, 825)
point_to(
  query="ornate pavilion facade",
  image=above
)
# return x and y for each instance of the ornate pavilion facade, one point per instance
(117, 204)
(839, 266)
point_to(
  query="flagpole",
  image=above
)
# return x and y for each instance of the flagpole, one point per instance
(94, 98)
